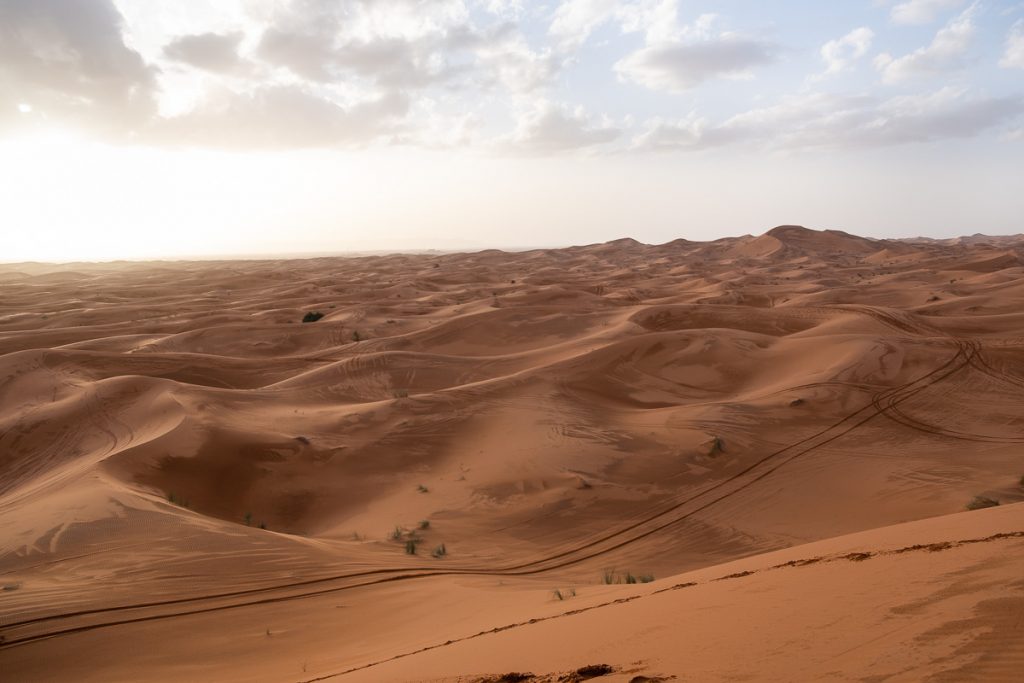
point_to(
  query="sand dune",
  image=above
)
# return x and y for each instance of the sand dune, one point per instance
(196, 485)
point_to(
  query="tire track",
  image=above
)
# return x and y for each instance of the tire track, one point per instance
(595, 547)
(803, 562)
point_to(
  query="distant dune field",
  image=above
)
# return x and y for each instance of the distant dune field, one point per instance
(748, 459)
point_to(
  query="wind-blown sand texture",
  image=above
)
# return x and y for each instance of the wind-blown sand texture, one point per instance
(784, 431)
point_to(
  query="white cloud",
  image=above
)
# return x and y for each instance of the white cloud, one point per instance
(506, 9)
(678, 66)
(677, 57)
(69, 63)
(921, 11)
(574, 20)
(945, 53)
(282, 116)
(829, 121)
(210, 51)
(665, 134)
(510, 62)
(548, 127)
(1013, 58)
(841, 53)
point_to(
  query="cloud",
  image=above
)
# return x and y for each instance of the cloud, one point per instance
(217, 52)
(507, 60)
(69, 62)
(822, 120)
(308, 55)
(676, 67)
(574, 20)
(920, 11)
(666, 134)
(282, 116)
(1013, 58)
(455, 54)
(548, 128)
(945, 53)
(841, 53)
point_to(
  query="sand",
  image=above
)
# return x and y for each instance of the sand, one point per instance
(782, 433)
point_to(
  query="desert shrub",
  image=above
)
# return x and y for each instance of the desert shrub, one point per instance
(356, 336)
(610, 576)
(410, 546)
(564, 595)
(248, 519)
(593, 671)
(422, 489)
(980, 502)
(439, 551)
(397, 534)
(312, 317)
(424, 524)
(401, 393)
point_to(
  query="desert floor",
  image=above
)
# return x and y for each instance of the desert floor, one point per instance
(457, 473)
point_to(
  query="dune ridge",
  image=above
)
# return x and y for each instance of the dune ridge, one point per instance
(181, 457)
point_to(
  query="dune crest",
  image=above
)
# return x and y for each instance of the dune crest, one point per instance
(458, 457)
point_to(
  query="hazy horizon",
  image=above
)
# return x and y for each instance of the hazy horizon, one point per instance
(129, 131)
(465, 249)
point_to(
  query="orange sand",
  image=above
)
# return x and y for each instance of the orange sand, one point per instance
(810, 411)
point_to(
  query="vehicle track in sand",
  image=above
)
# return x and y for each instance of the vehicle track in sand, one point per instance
(31, 630)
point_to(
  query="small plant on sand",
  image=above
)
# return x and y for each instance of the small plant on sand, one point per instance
(312, 317)
(170, 498)
(248, 519)
(980, 502)
(424, 524)
(564, 595)
(397, 534)
(422, 489)
(263, 525)
(410, 546)
(401, 393)
(356, 336)
(610, 577)
(1022, 481)
(593, 671)
(439, 551)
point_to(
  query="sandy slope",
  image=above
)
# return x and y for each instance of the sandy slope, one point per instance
(554, 415)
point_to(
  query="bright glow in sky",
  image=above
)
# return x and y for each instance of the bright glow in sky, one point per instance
(134, 129)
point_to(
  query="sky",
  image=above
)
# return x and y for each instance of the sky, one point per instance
(152, 129)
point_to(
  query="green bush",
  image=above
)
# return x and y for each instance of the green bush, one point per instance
(312, 317)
